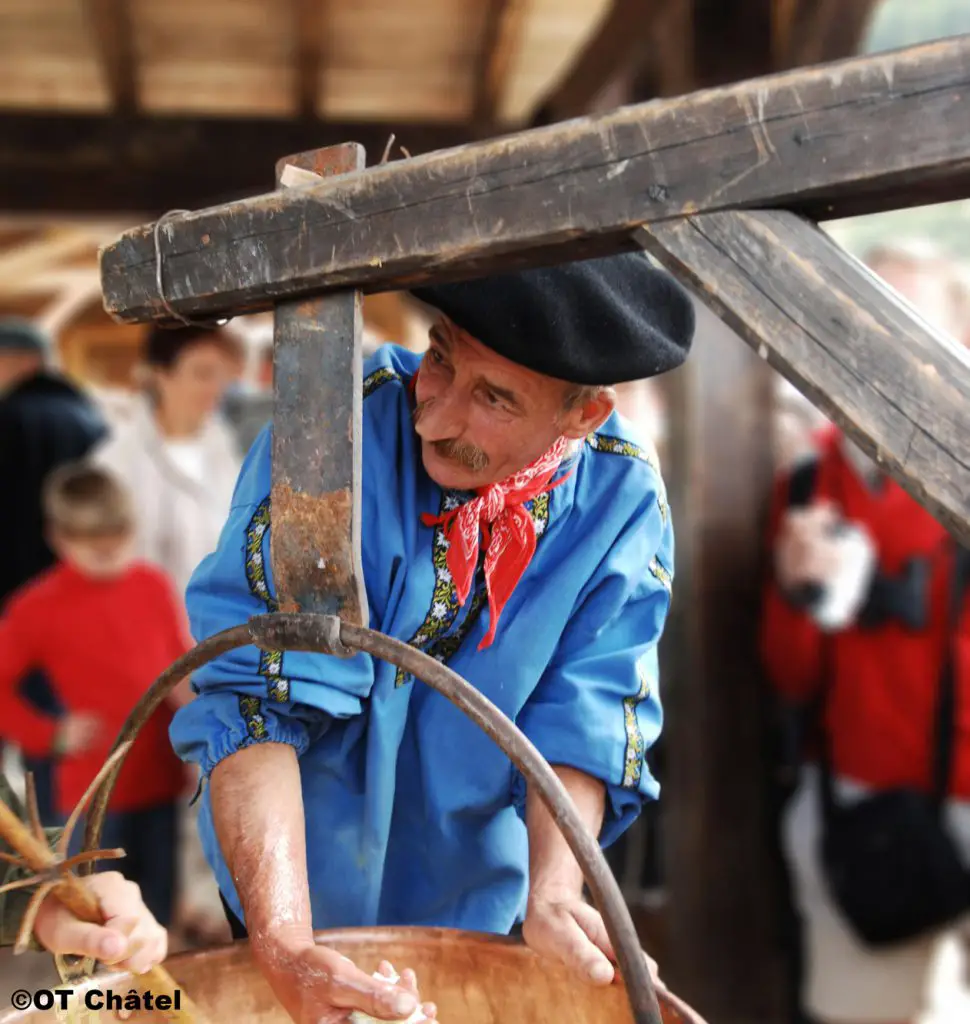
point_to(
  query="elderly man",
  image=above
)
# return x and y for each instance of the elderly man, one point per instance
(513, 527)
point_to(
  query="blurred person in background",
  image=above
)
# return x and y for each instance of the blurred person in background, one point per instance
(180, 460)
(44, 421)
(102, 627)
(176, 454)
(858, 637)
(928, 279)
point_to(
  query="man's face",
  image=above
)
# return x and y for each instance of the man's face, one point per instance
(481, 417)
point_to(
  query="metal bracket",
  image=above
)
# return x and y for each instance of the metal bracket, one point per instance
(318, 366)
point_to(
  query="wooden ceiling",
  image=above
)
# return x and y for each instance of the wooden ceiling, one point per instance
(117, 110)
(141, 106)
(339, 60)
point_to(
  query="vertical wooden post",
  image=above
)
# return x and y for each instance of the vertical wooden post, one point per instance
(315, 540)
(723, 954)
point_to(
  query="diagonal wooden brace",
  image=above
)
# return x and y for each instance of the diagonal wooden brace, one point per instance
(895, 385)
(315, 537)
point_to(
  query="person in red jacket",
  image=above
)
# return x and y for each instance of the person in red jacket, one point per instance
(102, 627)
(858, 604)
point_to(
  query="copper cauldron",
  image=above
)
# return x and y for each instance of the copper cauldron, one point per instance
(473, 978)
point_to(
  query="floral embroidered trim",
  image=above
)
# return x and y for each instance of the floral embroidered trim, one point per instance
(378, 378)
(444, 598)
(635, 745)
(431, 637)
(661, 573)
(249, 708)
(617, 446)
(270, 662)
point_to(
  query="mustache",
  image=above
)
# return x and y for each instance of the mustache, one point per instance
(469, 456)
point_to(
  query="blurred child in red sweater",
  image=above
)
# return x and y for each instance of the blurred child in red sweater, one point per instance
(102, 627)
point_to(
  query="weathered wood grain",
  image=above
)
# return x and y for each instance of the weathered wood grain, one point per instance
(848, 343)
(318, 383)
(864, 132)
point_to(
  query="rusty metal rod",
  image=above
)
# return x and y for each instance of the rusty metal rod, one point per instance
(320, 634)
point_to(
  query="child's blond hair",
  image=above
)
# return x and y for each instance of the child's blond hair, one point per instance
(83, 500)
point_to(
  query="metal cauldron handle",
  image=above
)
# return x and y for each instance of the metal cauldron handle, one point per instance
(325, 634)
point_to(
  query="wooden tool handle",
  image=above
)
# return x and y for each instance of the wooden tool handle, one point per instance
(83, 904)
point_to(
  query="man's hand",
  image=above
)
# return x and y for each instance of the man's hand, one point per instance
(569, 930)
(808, 549)
(317, 985)
(572, 932)
(131, 938)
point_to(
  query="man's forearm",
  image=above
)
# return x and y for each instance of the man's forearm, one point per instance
(553, 870)
(257, 809)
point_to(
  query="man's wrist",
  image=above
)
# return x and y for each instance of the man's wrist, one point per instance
(556, 890)
(277, 946)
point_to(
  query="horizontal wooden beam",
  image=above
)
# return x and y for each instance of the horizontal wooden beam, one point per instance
(848, 343)
(865, 134)
(147, 165)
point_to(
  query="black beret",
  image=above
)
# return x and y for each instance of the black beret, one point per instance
(602, 321)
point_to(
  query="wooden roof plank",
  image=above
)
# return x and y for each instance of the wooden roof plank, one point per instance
(501, 39)
(309, 19)
(860, 135)
(109, 22)
(846, 341)
(621, 37)
(152, 164)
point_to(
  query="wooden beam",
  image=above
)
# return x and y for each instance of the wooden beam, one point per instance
(147, 165)
(110, 26)
(718, 470)
(848, 343)
(504, 23)
(19, 265)
(51, 282)
(730, 35)
(822, 30)
(867, 134)
(621, 38)
(309, 18)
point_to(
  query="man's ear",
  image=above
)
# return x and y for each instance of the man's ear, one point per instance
(588, 416)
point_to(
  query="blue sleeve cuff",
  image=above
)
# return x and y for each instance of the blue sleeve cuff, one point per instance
(215, 725)
(623, 804)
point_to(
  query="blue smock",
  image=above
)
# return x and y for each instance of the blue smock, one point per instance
(413, 815)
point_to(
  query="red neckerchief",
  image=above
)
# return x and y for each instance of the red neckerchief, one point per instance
(498, 517)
